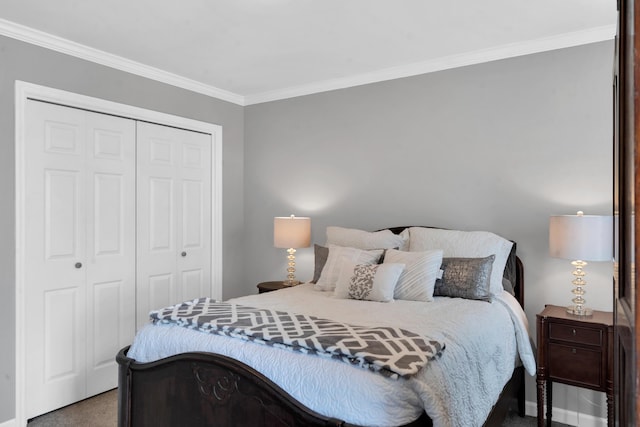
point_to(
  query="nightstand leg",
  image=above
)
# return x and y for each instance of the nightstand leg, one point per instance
(549, 401)
(540, 398)
(609, 410)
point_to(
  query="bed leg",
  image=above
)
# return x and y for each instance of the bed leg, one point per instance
(521, 396)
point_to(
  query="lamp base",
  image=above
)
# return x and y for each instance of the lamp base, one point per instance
(291, 282)
(579, 310)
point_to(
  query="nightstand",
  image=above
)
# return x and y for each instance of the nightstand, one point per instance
(270, 286)
(574, 350)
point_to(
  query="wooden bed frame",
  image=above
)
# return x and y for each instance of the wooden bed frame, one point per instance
(207, 389)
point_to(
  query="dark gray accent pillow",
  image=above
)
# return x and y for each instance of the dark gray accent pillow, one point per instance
(468, 278)
(508, 286)
(321, 254)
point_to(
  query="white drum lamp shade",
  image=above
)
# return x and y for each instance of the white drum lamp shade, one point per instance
(581, 238)
(584, 237)
(291, 232)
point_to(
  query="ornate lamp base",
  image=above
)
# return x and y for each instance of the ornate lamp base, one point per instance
(579, 283)
(291, 269)
(579, 311)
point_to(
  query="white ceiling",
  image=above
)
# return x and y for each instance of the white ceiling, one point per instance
(249, 51)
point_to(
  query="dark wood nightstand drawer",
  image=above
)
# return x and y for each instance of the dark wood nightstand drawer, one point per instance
(574, 350)
(571, 364)
(575, 334)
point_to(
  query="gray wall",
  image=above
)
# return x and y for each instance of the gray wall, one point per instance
(498, 146)
(22, 61)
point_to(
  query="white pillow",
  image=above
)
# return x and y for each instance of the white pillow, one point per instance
(465, 244)
(354, 238)
(331, 269)
(418, 280)
(370, 282)
(405, 239)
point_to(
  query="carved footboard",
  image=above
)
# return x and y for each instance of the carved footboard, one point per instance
(198, 389)
(206, 389)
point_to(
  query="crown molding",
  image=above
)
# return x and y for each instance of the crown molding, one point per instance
(454, 61)
(49, 41)
(59, 44)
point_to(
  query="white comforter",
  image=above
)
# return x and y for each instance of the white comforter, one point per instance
(482, 340)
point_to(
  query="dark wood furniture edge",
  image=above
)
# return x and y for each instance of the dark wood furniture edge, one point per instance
(541, 369)
(544, 384)
(213, 379)
(165, 391)
(271, 285)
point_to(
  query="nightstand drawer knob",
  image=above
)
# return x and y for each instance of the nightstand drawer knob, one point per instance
(574, 332)
(573, 350)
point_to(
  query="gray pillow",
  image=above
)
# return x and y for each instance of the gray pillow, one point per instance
(321, 254)
(508, 286)
(468, 278)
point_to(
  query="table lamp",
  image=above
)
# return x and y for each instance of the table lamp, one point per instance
(291, 232)
(581, 238)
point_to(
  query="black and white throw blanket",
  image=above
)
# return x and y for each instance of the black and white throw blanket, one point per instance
(392, 352)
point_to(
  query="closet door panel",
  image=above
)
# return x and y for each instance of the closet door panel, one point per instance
(156, 220)
(62, 218)
(54, 243)
(194, 264)
(80, 252)
(107, 325)
(174, 205)
(108, 230)
(161, 287)
(110, 237)
(161, 216)
(192, 281)
(193, 225)
(157, 250)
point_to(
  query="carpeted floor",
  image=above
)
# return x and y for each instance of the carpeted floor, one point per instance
(98, 411)
(102, 410)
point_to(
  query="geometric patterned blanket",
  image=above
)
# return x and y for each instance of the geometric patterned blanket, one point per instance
(392, 352)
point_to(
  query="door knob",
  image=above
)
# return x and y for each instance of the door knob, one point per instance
(183, 253)
(78, 265)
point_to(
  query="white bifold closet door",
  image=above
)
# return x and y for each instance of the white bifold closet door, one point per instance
(174, 217)
(80, 252)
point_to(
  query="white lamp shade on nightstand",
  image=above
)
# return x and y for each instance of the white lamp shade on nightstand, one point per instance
(583, 237)
(291, 232)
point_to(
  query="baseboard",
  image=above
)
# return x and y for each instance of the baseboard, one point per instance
(566, 417)
(10, 423)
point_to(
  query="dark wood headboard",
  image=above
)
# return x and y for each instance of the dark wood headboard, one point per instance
(513, 271)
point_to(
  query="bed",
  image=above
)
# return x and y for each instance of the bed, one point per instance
(173, 375)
